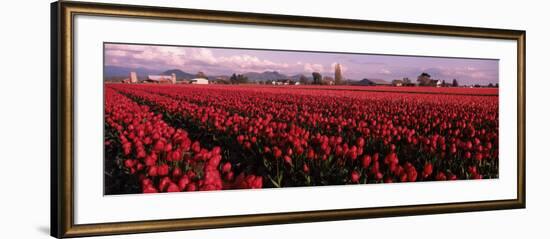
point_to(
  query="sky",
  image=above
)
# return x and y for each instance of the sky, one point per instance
(223, 61)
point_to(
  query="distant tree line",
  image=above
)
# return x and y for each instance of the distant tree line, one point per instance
(238, 79)
(317, 78)
(455, 83)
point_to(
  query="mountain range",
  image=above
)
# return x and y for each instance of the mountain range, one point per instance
(179, 74)
(118, 73)
(266, 75)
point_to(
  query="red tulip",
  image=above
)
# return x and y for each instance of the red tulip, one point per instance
(150, 189)
(355, 176)
(226, 167)
(428, 168)
(164, 182)
(257, 183)
(173, 188)
(159, 146)
(366, 161)
(306, 168)
(149, 161)
(196, 147)
(153, 171)
(277, 152)
(191, 187)
(452, 177)
(182, 183)
(163, 170)
(479, 157)
(176, 173)
(129, 163)
(360, 142)
(441, 176)
(288, 160)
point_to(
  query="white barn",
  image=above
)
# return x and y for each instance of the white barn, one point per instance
(199, 81)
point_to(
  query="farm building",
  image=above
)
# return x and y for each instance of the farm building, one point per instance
(132, 79)
(199, 81)
(397, 83)
(184, 82)
(161, 79)
(282, 82)
(327, 80)
(435, 83)
(372, 82)
(425, 79)
(404, 82)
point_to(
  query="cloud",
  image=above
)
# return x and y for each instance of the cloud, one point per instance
(310, 67)
(384, 71)
(201, 55)
(192, 59)
(250, 63)
(116, 53)
(144, 56)
(467, 73)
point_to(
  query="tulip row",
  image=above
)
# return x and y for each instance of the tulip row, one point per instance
(405, 89)
(162, 158)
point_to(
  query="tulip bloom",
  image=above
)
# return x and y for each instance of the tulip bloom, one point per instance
(355, 176)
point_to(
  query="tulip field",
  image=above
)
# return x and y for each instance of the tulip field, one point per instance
(175, 138)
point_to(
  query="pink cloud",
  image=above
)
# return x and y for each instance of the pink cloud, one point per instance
(310, 67)
(179, 57)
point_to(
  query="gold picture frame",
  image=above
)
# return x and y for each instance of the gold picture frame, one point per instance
(62, 128)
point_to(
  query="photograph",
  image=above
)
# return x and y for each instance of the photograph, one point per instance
(201, 118)
(174, 118)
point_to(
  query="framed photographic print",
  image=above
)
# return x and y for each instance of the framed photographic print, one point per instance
(172, 119)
